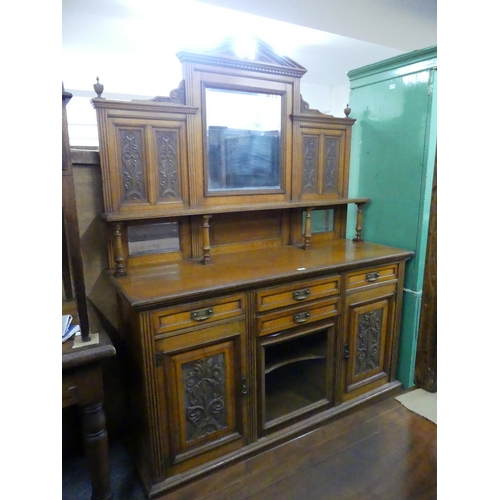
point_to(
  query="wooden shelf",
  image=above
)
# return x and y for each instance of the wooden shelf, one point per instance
(294, 390)
(175, 212)
(297, 359)
(297, 350)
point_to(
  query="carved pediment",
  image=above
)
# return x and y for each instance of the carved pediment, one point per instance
(264, 59)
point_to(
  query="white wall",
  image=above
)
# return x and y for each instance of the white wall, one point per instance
(82, 121)
(329, 100)
(407, 25)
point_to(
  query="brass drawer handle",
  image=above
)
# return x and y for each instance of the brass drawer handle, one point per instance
(202, 315)
(301, 294)
(302, 317)
(372, 276)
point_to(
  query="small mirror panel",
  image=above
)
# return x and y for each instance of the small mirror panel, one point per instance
(321, 221)
(153, 238)
(244, 140)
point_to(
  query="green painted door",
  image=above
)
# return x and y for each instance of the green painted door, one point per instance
(392, 163)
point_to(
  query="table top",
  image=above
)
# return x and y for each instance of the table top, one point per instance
(73, 357)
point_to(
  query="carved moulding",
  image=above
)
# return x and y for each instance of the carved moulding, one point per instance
(177, 96)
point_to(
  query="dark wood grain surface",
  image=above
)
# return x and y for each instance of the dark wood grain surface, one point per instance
(380, 452)
(426, 360)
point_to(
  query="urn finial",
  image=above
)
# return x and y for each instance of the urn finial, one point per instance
(347, 110)
(98, 88)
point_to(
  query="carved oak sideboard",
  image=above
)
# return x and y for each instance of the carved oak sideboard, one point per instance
(247, 315)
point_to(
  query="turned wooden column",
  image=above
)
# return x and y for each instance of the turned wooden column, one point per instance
(307, 230)
(207, 259)
(359, 222)
(118, 250)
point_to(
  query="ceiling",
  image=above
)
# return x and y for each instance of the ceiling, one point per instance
(131, 44)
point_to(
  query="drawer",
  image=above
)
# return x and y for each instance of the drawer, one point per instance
(283, 320)
(69, 390)
(372, 276)
(297, 293)
(172, 319)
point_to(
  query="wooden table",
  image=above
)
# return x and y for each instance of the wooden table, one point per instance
(82, 385)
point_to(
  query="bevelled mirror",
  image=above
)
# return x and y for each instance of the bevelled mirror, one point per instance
(244, 140)
(153, 238)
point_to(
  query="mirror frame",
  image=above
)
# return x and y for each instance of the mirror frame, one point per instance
(268, 73)
(280, 188)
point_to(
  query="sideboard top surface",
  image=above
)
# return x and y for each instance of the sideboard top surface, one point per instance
(154, 285)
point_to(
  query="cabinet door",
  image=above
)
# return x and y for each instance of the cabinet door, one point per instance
(321, 148)
(202, 381)
(144, 157)
(368, 340)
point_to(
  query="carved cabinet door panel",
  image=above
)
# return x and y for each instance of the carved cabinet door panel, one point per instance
(202, 383)
(322, 150)
(146, 165)
(370, 315)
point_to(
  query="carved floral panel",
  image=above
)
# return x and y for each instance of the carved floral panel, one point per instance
(132, 163)
(168, 165)
(331, 165)
(368, 341)
(205, 397)
(310, 162)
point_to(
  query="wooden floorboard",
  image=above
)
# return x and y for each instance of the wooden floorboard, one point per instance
(383, 451)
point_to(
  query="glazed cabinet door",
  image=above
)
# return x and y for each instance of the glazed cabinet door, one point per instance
(295, 374)
(202, 385)
(368, 339)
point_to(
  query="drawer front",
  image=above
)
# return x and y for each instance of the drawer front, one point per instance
(372, 276)
(292, 317)
(297, 293)
(69, 391)
(170, 320)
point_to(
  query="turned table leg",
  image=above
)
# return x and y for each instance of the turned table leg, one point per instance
(95, 435)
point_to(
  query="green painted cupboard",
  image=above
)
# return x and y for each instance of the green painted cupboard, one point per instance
(392, 162)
